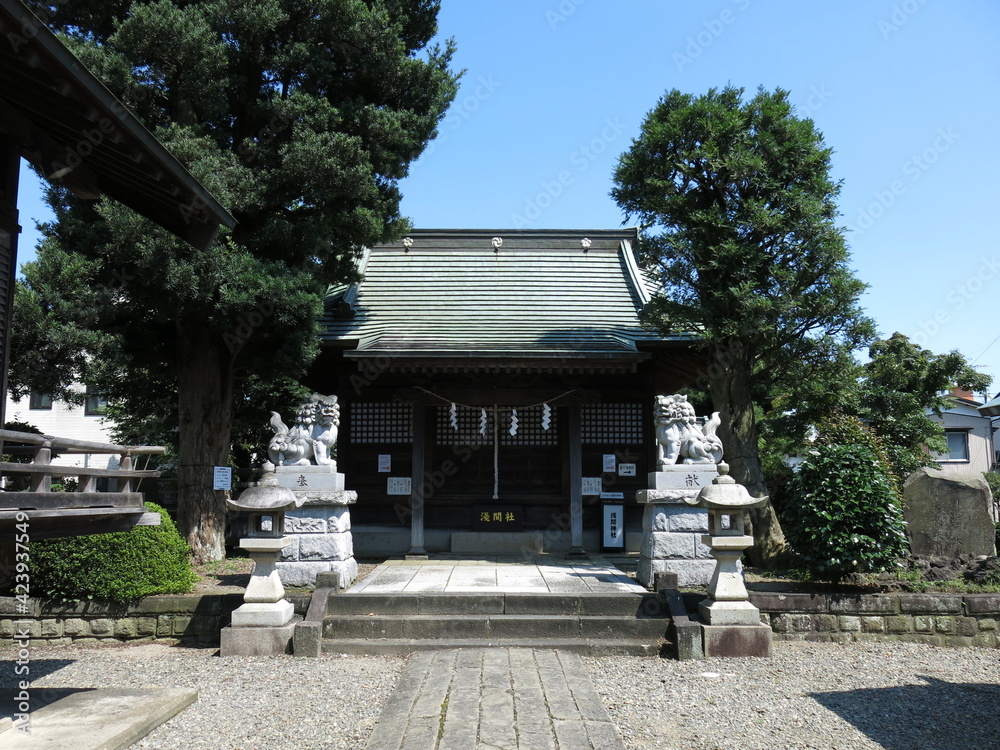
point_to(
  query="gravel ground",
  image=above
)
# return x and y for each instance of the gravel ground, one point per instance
(243, 702)
(896, 696)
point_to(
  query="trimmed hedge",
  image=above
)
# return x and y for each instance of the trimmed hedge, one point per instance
(119, 567)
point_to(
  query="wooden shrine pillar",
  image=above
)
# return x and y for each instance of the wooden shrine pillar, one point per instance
(10, 162)
(575, 435)
(417, 499)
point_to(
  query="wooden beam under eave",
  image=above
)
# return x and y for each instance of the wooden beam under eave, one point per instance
(10, 163)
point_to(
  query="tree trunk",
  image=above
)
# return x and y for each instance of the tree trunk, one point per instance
(204, 392)
(729, 380)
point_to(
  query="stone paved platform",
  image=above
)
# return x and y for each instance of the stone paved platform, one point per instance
(494, 699)
(496, 574)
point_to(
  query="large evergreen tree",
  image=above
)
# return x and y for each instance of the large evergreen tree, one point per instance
(738, 210)
(300, 116)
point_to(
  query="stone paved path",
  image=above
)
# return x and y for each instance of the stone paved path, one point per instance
(494, 699)
(497, 573)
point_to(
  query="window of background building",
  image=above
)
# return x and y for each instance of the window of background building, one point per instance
(96, 404)
(39, 401)
(958, 446)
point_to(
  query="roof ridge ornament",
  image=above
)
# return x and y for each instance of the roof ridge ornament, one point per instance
(407, 244)
(497, 244)
(585, 243)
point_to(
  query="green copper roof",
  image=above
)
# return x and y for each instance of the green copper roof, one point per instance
(454, 294)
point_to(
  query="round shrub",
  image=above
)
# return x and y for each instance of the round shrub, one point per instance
(120, 567)
(844, 514)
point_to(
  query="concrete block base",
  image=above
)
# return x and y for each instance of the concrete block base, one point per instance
(304, 573)
(307, 639)
(671, 541)
(728, 613)
(263, 614)
(737, 640)
(687, 638)
(250, 641)
(689, 572)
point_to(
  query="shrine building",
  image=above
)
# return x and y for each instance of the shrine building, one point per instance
(496, 381)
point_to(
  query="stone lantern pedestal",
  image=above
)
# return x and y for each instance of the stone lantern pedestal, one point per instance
(732, 625)
(263, 625)
(264, 602)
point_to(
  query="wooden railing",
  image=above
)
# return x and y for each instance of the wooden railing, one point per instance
(86, 510)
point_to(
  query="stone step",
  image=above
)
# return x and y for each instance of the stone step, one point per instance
(492, 626)
(618, 604)
(586, 647)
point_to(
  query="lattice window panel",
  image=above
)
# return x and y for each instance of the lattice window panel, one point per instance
(381, 423)
(607, 424)
(529, 428)
(468, 427)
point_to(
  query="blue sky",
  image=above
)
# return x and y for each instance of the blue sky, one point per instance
(906, 92)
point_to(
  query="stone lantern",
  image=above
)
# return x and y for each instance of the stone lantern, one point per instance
(263, 625)
(733, 626)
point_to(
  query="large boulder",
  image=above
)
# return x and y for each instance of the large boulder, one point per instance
(948, 514)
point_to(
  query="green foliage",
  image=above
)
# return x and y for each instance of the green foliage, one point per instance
(740, 210)
(844, 513)
(300, 118)
(993, 480)
(739, 215)
(900, 384)
(19, 457)
(65, 484)
(846, 429)
(118, 567)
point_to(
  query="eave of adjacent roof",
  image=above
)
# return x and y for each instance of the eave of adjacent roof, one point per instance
(49, 104)
(990, 408)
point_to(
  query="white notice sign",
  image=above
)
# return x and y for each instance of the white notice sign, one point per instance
(384, 463)
(222, 478)
(626, 470)
(612, 496)
(609, 462)
(614, 529)
(398, 485)
(591, 485)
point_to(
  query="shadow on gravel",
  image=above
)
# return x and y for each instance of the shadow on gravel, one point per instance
(937, 716)
(12, 672)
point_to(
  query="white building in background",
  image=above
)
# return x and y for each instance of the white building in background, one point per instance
(970, 436)
(65, 420)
